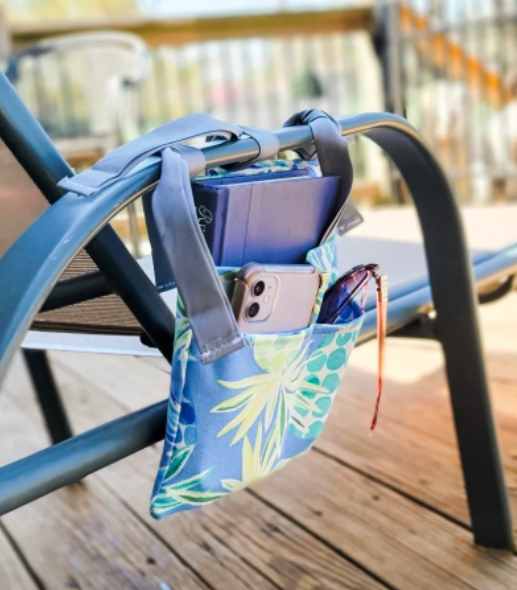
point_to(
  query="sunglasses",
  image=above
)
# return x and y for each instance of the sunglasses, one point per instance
(345, 301)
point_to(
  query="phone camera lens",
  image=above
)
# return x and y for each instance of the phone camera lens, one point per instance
(258, 288)
(253, 310)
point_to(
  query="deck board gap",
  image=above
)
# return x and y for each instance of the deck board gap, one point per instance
(160, 539)
(323, 541)
(394, 489)
(23, 558)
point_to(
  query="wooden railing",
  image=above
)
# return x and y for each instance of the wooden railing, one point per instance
(290, 78)
(439, 50)
(158, 32)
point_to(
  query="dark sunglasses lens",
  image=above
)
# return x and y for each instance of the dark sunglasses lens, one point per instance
(355, 307)
(338, 298)
(349, 283)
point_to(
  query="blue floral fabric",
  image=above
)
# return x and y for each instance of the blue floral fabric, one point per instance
(267, 167)
(243, 417)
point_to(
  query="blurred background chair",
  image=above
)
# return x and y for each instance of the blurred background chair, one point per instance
(85, 91)
(94, 79)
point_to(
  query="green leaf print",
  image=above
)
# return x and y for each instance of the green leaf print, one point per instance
(256, 463)
(178, 461)
(184, 492)
(275, 392)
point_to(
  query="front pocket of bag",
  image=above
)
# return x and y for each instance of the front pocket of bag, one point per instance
(245, 416)
(328, 356)
(289, 383)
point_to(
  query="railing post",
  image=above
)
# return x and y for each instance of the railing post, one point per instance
(5, 40)
(387, 43)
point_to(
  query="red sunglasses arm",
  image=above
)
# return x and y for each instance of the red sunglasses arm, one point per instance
(382, 308)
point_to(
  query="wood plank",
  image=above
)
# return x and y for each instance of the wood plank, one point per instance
(399, 453)
(82, 536)
(416, 396)
(166, 31)
(13, 573)
(236, 543)
(414, 447)
(141, 386)
(400, 541)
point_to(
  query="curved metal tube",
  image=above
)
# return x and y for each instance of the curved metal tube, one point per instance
(27, 479)
(34, 263)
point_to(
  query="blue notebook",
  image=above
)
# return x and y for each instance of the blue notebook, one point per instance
(274, 221)
(273, 218)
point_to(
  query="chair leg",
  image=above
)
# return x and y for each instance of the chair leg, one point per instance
(457, 328)
(47, 392)
(480, 457)
(475, 430)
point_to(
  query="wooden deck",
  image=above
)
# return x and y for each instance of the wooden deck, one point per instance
(358, 512)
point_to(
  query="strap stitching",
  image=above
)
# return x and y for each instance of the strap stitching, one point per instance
(207, 354)
(68, 180)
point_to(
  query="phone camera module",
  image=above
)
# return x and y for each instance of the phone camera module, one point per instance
(259, 288)
(253, 310)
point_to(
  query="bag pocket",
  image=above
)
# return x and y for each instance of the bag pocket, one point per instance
(244, 416)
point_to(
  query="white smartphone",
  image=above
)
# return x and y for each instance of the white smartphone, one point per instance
(275, 298)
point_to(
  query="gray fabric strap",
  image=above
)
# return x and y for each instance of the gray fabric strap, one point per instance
(123, 159)
(268, 144)
(120, 161)
(161, 262)
(206, 304)
(331, 149)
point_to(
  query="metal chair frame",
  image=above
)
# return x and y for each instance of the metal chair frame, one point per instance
(33, 265)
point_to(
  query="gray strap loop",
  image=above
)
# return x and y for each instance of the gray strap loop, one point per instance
(268, 145)
(123, 159)
(334, 158)
(206, 304)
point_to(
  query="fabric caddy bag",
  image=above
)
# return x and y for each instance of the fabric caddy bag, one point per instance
(240, 405)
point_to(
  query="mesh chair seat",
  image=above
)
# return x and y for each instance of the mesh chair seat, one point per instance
(102, 315)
